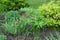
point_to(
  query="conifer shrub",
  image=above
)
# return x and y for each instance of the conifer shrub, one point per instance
(12, 22)
(3, 37)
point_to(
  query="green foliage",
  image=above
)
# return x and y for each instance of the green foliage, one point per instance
(12, 22)
(51, 12)
(34, 20)
(13, 4)
(2, 8)
(58, 2)
(28, 20)
(3, 37)
(37, 3)
(51, 37)
(11, 15)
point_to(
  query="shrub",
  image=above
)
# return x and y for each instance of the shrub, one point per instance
(12, 22)
(13, 4)
(28, 21)
(51, 12)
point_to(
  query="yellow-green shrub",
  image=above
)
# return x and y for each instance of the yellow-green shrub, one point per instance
(51, 12)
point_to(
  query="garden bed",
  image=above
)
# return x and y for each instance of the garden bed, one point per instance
(29, 20)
